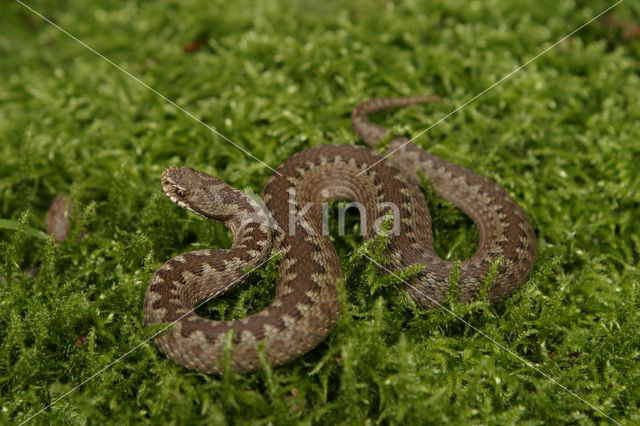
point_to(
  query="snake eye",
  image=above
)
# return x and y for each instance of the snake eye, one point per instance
(180, 193)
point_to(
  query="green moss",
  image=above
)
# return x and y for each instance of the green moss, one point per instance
(276, 77)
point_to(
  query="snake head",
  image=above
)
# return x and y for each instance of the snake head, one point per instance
(199, 192)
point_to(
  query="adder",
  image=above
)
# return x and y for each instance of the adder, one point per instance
(305, 307)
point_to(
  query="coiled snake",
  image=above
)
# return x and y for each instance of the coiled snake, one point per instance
(305, 307)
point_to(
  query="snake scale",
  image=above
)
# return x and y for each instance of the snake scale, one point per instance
(305, 307)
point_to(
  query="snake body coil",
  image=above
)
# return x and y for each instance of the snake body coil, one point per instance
(305, 307)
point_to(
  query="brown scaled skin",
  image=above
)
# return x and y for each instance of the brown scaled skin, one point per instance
(305, 307)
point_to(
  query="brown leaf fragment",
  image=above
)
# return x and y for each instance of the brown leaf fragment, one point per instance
(621, 29)
(58, 217)
(631, 33)
(80, 341)
(195, 45)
